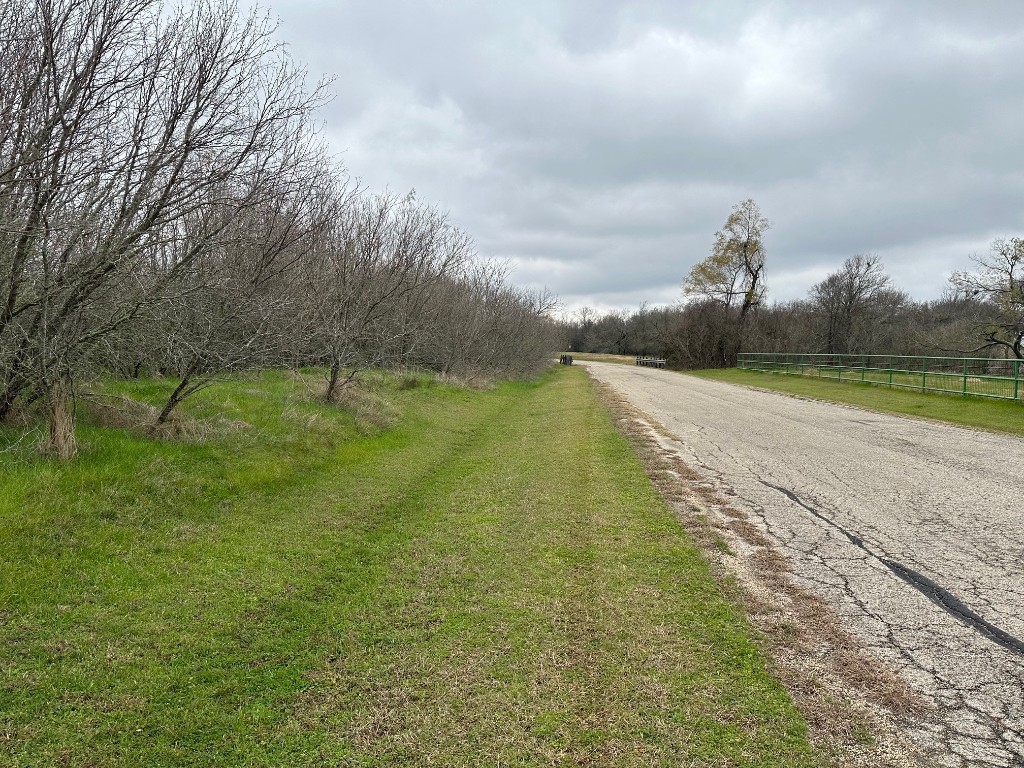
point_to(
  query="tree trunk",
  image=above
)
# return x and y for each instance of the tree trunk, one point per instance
(172, 401)
(61, 442)
(13, 388)
(332, 382)
(7, 400)
(179, 392)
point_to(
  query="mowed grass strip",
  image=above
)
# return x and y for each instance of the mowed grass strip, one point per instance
(491, 580)
(978, 412)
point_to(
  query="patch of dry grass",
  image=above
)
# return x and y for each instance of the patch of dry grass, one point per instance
(372, 410)
(116, 411)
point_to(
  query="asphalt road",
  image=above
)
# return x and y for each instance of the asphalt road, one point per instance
(913, 531)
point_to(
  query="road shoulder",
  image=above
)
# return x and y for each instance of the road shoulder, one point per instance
(854, 705)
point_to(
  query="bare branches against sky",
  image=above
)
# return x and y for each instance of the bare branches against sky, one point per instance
(599, 144)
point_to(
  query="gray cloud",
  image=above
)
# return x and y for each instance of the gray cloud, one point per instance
(598, 145)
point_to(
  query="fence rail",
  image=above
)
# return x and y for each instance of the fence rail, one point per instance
(650, 362)
(977, 376)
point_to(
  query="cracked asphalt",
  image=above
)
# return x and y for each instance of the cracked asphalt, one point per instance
(912, 531)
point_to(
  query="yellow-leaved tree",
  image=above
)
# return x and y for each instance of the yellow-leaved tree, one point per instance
(733, 275)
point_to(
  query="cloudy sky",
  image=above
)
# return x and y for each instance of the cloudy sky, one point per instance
(598, 145)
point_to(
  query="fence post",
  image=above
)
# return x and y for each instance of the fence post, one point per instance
(890, 371)
(924, 374)
(1016, 379)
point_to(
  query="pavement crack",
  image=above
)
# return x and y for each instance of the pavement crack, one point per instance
(952, 605)
(936, 593)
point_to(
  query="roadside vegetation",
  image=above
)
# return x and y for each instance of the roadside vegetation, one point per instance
(430, 575)
(855, 310)
(168, 207)
(992, 415)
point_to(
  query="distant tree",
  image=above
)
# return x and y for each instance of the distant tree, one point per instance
(999, 283)
(852, 302)
(646, 331)
(948, 324)
(611, 334)
(734, 274)
(581, 338)
(784, 327)
(481, 326)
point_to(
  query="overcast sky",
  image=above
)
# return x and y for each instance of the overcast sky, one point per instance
(598, 145)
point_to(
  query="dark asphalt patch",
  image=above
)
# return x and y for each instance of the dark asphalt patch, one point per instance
(936, 593)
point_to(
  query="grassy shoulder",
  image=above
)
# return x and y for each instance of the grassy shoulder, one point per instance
(981, 413)
(448, 577)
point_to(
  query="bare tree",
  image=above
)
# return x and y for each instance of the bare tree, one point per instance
(165, 204)
(999, 283)
(482, 328)
(127, 122)
(852, 302)
(364, 287)
(229, 308)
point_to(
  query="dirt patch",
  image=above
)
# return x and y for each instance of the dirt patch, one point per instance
(854, 705)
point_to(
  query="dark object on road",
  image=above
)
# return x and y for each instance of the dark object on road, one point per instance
(565, 360)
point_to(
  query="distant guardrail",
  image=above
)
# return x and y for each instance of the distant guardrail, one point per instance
(653, 362)
(977, 376)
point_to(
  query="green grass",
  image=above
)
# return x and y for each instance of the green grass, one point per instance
(943, 382)
(982, 413)
(480, 578)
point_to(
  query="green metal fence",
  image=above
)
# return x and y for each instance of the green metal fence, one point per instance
(978, 376)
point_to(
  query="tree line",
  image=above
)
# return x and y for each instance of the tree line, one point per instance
(855, 310)
(167, 206)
